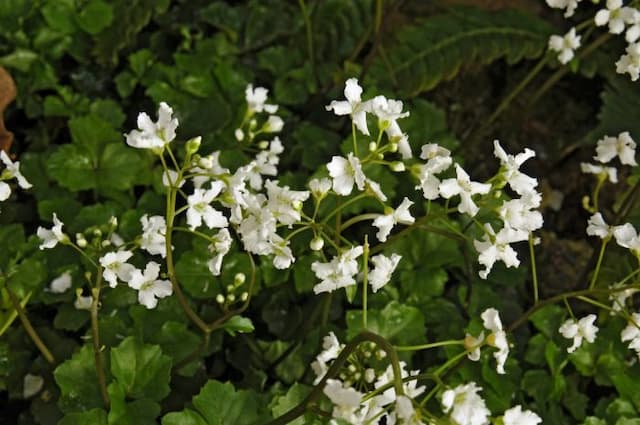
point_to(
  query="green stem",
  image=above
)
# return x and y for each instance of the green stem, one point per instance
(26, 324)
(365, 281)
(594, 278)
(452, 361)
(309, 34)
(355, 138)
(95, 336)
(534, 273)
(343, 205)
(357, 219)
(430, 345)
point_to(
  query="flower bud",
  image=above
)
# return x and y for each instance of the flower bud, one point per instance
(239, 134)
(230, 288)
(393, 147)
(239, 279)
(193, 145)
(273, 125)
(231, 298)
(220, 299)
(244, 296)
(397, 166)
(263, 145)
(316, 243)
(373, 146)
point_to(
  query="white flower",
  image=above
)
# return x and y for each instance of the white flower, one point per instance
(388, 112)
(199, 208)
(116, 267)
(518, 214)
(630, 62)
(149, 287)
(565, 45)
(320, 187)
(583, 328)
(569, 5)
(82, 302)
(285, 204)
(385, 222)
(517, 416)
(619, 297)
(207, 169)
(339, 272)
(438, 160)
(627, 237)
(463, 186)
(170, 179)
(152, 135)
(61, 283)
(622, 146)
(632, 333)
(274, 124)
(496, 247)
(518, 181)
(375, 188)
(465, 406)
(497, 338)
(384, 268)
(615, 15)
(153, 240)
(13, 171)
(405, 411)
(409, 388)
(473, 344)
(283, 256)
(604, 172)
(596, 226)
(256, 99)
(50, 238)
(220, 245)
(346, 172)
(5, 191)
(331, 348)
(346, 400)
(352, 106)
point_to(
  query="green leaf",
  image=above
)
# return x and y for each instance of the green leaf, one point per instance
(137, 412)
(20, 59)
(282, 404)
(401, 324)
(548, 319)
(95, 16)
(93, 417)
(92, 133)
(141, 369)
(72, 168)
(78, 382)
(221, 404)
(186, 417)
(238, 324)
(121, 168)
(28, 276)
(59, 16)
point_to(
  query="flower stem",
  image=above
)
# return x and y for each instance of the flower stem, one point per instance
(95, 333)
(430, 345)
(534, 273)
(309, 34)
(365, 281)
(26, 323)
(594, 278)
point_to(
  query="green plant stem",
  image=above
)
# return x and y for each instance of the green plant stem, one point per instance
(430, 345)
(26, 324)
(357, 219)
(354, 136)
(365, 281)
(534, 273)
(333, 371)
(309, 35)
(515, 92)
(343, 206)
(452, 361)
(193, 356)
(594, 278)
(95, 334)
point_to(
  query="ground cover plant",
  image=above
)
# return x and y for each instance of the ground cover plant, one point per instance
(349, 212)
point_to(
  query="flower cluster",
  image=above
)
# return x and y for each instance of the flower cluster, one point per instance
(618, 19)
(11, 171)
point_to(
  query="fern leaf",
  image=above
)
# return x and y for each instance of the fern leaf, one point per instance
(420, 56)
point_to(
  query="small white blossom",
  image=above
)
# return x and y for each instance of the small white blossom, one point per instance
(463, 186)
(565, 45)
(346, 400)
(82, 302)
(331, 348)
(385, 222)
(61, 283)
(5, 191)
(465, 406)
(274, 124)
(220, 245)
(629, 63)
(517, 416)
(615, 15)
(518, 214)
(627, 237)
(345, 172)
(518, 181)
(497, 338)
(583, 328)
(208, 168)
(352, 106)
(438, 160)
(320, 187)
(116, 267)
(150, 135)
(619, 297)
(283, 256)
(569, 5)
(200, 208)
(12, 170)
(596, 226)
(153, 240)
(384, 268)
(496, 247)
(610, 173)
(256, 99)
(339, 272)
(632, 333)
(50, 238)
(149, 287)
(388, 112)
(622, 146)
(285, 204)
(170, 179)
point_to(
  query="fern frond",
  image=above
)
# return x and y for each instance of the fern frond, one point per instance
(420, 56)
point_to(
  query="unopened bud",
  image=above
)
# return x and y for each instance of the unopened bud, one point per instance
(105, 243)
(263, 145)
(113, 222)
(373, 146)
(193, 145)
(231, 298)
(316, 243)
(393, 147)
(244, 296)
(220, 299)
(239, 134)
(397, 166)
(297, 205)
(239, 279)
(205, 162)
